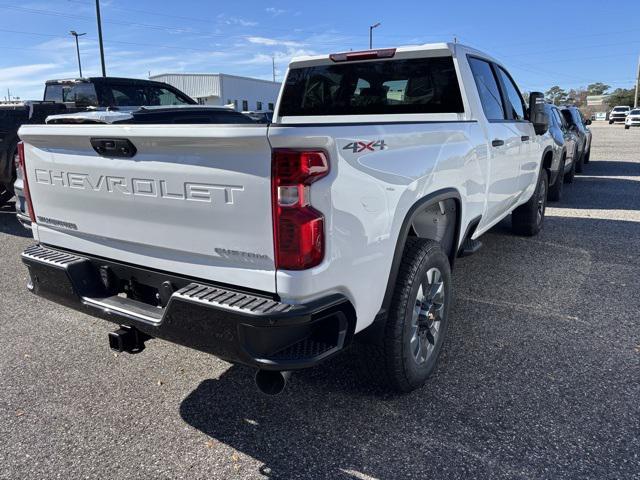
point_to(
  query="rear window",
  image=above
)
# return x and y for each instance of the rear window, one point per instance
(424, 85)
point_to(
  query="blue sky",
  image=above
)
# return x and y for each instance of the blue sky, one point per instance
(570, 43)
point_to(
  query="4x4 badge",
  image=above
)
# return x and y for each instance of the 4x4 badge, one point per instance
(357, 147)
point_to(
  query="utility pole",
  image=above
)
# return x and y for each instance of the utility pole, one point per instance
(635, 104)
(273, 66)
(104, 70)
(371, 34)
(76, 34)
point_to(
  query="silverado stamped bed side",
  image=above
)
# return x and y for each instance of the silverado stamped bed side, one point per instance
(274, 245)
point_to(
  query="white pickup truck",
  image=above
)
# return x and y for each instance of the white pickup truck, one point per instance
(277, 245)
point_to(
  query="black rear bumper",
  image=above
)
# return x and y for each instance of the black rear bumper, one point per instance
(241, 327)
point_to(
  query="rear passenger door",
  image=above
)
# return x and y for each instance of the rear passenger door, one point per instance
(505, 142)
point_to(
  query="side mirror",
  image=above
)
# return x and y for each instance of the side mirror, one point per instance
(588, 122)
(537, 114)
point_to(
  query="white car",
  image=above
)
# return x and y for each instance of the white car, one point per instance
(633, 119)
(619, 113)
(277, 245)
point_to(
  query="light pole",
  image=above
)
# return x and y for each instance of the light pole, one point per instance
(635, 103)
(371, 34)
(76, 34)
(104, 70)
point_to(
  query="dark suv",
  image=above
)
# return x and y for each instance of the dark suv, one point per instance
(563, 165)
(578, 125)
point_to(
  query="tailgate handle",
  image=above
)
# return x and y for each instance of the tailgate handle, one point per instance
(114, 147)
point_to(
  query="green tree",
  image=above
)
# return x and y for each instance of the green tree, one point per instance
(556, 95)
(621, 96)
(598, 88)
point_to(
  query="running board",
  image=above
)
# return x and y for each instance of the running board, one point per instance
(469, 247)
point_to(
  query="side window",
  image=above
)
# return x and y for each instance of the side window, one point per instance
(513, 99)
(163, 96)
(84, 94)
(566, 114)
(559, 120)
(487, 88)
(245, 105)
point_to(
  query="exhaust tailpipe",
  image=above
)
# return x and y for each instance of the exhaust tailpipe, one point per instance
(271, 382)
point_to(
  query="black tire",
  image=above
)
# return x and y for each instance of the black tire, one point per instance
(6, 189)
(610, 122)
(528, 219)
(626, 127)
(570, 175)
(391, 358)
(555, 190)
(580, 163)
(587, 156)
(5, 194)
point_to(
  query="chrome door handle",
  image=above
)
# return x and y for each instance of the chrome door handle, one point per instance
(497, 143)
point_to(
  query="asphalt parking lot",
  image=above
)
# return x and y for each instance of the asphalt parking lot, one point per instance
(540, 377)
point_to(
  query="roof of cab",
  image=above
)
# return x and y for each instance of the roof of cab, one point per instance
(405, 51)
(115, 80)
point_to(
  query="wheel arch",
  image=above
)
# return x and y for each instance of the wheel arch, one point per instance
(547, 158)
(408, 228)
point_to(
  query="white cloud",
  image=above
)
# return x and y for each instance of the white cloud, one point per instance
(273, 41)
(222, 18)
(24, 72)
(275, 11)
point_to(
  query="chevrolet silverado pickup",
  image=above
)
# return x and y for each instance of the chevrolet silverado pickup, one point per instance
(276, 246)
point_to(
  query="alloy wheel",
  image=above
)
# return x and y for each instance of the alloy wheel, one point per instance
(427, 316)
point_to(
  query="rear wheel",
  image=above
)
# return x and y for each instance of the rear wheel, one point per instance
(528, 219)
(5, 194)
(6, 189)
(555, 190)
(626, 127)
(580, 163)
(570, 175)
(407, 348)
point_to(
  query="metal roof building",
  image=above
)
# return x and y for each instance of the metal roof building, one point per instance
(244, 93)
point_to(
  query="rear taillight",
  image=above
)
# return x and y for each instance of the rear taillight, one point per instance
(25, 182)
(298, 228)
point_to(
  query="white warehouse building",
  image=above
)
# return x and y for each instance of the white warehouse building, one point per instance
(244, 93)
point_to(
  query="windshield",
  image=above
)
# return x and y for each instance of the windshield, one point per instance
(621, 109)
(634, 112)
(423, 85)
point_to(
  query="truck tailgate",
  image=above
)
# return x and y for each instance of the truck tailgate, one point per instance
(193, 200)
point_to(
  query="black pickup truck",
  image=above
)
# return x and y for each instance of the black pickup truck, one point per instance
(70, 96)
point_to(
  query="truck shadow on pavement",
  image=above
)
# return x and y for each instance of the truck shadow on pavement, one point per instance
(520, 388)
(9, 223)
